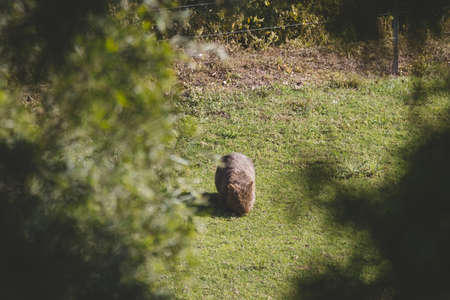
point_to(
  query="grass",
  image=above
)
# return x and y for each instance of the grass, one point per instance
(348, 133)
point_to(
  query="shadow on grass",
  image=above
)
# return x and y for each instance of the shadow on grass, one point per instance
(213, 206)
(334, 282)
(47, 250)
(407, 219)
(423, 89)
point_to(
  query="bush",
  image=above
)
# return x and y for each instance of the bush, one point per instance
(230, 16)
(351, 20)
(91, 204)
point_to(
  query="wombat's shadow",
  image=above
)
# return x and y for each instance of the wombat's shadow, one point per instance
(214, 205)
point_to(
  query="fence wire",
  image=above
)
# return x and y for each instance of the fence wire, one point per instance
(252, 30)
(187, 6)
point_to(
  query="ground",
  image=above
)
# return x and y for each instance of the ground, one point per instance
(330, 135)
(293, 65)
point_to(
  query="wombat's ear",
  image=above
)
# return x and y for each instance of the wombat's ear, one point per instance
(249, 186)
(231, 187)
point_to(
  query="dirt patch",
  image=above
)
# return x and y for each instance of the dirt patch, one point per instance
(295, 66)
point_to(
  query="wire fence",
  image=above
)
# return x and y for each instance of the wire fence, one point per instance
(187, 6)
(248, 30)
(267, 28)
(395, 14)
(214, 3)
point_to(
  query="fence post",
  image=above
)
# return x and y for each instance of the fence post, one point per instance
(395, 28)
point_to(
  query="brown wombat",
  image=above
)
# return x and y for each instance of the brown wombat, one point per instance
(235, 182)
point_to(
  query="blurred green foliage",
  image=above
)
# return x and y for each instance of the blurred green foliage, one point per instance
(91, 200)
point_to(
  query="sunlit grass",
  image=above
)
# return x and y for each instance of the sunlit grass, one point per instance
(301, 141)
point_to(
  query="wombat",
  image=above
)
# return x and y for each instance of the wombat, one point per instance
(235, 182)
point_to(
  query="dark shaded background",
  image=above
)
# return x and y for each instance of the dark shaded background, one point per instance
(47, 251)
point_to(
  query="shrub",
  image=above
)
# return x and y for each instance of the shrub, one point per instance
(349, 19)
(91, 204)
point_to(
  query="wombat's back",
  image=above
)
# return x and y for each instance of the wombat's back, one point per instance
(235, 182)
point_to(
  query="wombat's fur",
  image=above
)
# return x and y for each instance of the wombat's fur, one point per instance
(235, 182)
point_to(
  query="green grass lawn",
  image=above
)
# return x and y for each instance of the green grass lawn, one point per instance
(309, 146)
